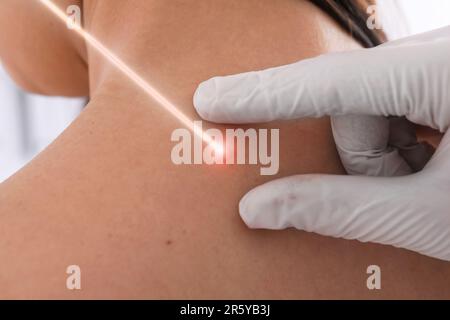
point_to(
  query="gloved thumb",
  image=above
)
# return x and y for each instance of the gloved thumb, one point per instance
(369, 209)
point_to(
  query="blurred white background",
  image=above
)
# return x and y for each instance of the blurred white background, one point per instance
(401, 18)
(28, 123)
(424, 15)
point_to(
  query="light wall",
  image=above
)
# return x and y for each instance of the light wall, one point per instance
(424, 15)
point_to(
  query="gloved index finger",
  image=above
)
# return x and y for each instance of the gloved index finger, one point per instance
(385, 81)
(251, 97)
(326, 85)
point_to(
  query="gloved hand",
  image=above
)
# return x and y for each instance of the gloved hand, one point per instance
(407, 78)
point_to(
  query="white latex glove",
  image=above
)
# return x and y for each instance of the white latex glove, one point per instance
(410, 78)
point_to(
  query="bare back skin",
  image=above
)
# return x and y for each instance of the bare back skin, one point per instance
(106, 195)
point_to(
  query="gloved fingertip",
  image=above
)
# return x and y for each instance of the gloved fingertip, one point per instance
(205, 98)
(248, 210)
(261, 208)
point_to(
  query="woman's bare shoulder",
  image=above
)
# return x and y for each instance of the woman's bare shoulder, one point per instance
(106, 196)
(39, 51)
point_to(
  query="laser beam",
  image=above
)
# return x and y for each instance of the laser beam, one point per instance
(133, 76)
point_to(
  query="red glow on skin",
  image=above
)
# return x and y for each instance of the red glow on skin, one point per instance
(218, 149)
